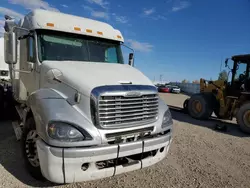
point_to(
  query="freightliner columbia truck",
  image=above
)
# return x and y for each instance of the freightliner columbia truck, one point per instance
(84, 113)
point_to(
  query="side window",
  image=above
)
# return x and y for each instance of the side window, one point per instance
(240, 71)
(111, 55)
(31, 51)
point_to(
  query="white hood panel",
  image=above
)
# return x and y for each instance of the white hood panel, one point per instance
(87, 75)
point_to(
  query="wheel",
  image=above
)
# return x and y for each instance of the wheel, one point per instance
(29, 149)
(243, 117)
(200, 106)
(185, 105)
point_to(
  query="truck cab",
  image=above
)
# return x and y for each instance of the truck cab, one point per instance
(84, 113)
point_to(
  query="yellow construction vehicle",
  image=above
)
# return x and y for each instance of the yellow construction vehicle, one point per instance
(226, 98)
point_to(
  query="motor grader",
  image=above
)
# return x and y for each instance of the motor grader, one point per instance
(229, 98)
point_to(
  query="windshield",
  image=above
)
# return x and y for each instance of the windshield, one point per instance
(59, 46)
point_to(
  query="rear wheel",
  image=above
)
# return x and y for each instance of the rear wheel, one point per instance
(29, 149)
(243, 117)
(200, 106)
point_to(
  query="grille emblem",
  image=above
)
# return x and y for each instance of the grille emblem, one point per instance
(133, 94)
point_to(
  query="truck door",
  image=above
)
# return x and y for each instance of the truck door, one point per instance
(28, 63)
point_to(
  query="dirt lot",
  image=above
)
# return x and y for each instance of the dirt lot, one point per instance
(199, 157)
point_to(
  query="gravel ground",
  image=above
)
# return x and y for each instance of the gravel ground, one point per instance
(199, 157)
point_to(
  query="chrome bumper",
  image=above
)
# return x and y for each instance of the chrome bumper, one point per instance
(64, 165)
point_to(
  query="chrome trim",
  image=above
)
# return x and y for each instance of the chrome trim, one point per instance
(133, 94)
(124, 111)
(126, 91)
(125, 99)
(126, 103)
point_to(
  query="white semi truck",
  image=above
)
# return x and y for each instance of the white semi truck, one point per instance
(84, 113)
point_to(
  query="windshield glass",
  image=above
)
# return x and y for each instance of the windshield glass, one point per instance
(59, 46)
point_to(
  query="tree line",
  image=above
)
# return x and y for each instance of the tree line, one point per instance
(222, 76)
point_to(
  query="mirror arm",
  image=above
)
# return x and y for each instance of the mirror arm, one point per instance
(60, 81)
(57, 80)
(133, 52)
(22, 29)
(129, 48)
(16, 27)
(21, 71)
(77, 94)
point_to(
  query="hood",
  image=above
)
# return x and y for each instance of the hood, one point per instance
(87, 75)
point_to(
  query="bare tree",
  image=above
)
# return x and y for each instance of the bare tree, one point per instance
(223, 75)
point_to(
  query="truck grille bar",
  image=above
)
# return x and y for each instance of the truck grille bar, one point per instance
(115, 109)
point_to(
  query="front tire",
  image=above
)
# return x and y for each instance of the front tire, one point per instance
(200, 106)
(243, 118)
(29, 149)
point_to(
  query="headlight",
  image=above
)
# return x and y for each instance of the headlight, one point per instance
(167, 119)
(64, 132)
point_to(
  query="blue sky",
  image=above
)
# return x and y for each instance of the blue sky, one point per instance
(178, 39)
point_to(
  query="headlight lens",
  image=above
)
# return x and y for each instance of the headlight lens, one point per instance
(64, 132)
(167, 119)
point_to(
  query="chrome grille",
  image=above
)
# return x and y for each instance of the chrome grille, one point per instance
(118, 110)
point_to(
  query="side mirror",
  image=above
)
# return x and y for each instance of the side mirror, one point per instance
(131, 59)
(10, 48)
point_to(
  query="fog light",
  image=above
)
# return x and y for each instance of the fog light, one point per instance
(85, 166)
(162, 149)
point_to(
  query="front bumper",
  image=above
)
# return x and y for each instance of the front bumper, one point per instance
(64, 165)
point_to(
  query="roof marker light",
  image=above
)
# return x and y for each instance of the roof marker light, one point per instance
(77, 28)
(89, 30)
(99, 33)
(119, 37)
(50, 24)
